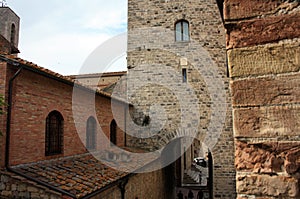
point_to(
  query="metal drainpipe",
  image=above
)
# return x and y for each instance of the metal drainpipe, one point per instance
(8, 120)
(122, 186)
(211, 177)
(8, 124)
(125, 124)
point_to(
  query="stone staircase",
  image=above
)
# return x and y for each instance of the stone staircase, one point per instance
(196, 176)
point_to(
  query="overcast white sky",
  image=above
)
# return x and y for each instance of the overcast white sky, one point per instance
(60, 34)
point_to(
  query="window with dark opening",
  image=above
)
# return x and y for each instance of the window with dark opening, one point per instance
(54, 133)
(113, 132)
(91, 133)
(184, 75)
(12, 34)
(182, 32)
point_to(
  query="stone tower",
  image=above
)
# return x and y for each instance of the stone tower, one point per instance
(177, 82)
(9, 26)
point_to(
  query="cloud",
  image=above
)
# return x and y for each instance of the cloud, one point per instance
(59, 35)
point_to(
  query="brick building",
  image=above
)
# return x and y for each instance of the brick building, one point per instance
(255, 156)
(51, 143)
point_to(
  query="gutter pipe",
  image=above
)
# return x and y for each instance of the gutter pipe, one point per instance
(7, 145)
(121, 182)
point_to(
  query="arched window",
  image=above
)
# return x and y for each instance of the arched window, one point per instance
(182, 32)
(113, 132)
(91, 133)
(54, 133)
(12, 34)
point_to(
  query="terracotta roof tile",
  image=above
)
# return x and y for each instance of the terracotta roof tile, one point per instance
(83, 174)
(14, 59)
(105, 74)
(79, 175)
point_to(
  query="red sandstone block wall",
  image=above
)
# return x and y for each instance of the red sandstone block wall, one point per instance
(34, 97)
(263, 59)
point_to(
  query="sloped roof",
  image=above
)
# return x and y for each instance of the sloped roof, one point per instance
(96, 75)
(78, 175)
(110, 88)
(84, 174)
(16, 61)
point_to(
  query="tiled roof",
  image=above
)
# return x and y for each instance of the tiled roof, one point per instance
(84, 174)
(105, 74)
(16, 60)
(78, 175)
(109, 88)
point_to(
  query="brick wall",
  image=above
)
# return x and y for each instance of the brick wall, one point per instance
(152, 49)
(263, 54)
(34, 97)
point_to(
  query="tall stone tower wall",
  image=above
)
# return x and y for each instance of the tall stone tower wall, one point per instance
(181, 86)
(263, 54)
(9, 25)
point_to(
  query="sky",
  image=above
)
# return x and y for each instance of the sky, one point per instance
(60, 35)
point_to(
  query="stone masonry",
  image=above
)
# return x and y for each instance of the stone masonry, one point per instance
(8, 19)
(156, 89)
(263, 55)
(14, 186)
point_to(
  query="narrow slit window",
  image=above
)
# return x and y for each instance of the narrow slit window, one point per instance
(113, 132)
(13, 34)
(184, 75)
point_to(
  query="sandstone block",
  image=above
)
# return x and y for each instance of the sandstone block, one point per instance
(14, 187)
(292, 163)
(262, 31)
(266, 91)
(265, 185)
(22, 187)
(267, 122)
(32, 189)
(238, 9)
(267, 157)
(6, 193)
(242, 196)
(266, 59)
(2, 186)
